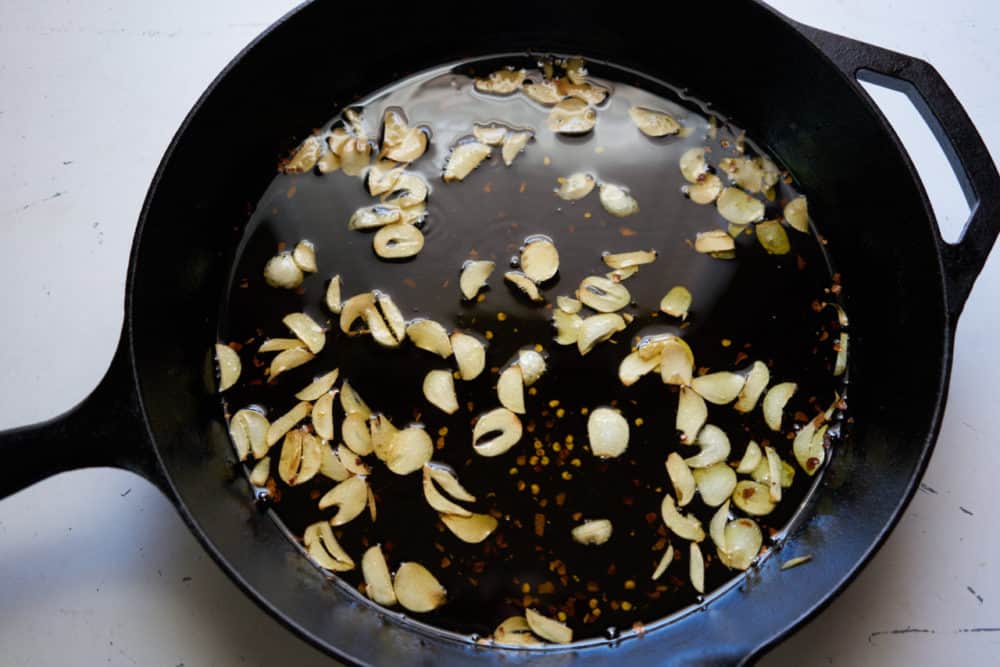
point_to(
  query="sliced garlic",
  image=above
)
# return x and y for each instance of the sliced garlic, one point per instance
(515, 631)
(753, 498)
(513, 145)
(328, 163)
(608, 432)
(623, 260)
(774, 402)
(501, 82)
(351, 401)
(547, 628)
(762, 473)
(676, 360)
(383, 432)
(411, 146)
(634, 367)
(693, 165)
(525, 284)
(431, 336)
(475, 273)
(617, 201)
(394, 126)
(751, 174)
(504, 427)
(714, 445)
(304, 256)
(356, 435)
(282, 271)
(653, 123)
(437, 500)
(795, 562)
(576, 71)
(349, 497)
(797, 214)
(333, 295)
(510, 389)
(324, 549)
(774, 474)
(491, 135)
(464, 157)
(532, 365)
(409, 191)
(597, 329)
(248, 430)
(681, 478)
(409, 449)
(279, 345)
(743, 542)
(575, 186)
(588, 92)
(330, 465)
(372, 217)
(378, 328)
(692, 413)
(772, 237)
(567, 327)
(808, 447)
(392, 315)
(715, 483)
(544, 92)
(706, 190)
(261, 472)
(305, 157)
(714, 241)
(301, 455)
(449, 483)
(470, 355)
(378, 583)
(665, 561)
(417, 589)
(686, 527)
(756, 382)
(751, 459)
(840, 365)
(676, 302)
(738, 207)
(717, 526)
(539, 259)
(398, 241)
(572, 116)
(603, 295)
(439, 390)
(696, 569)
(382, 176)
(354, 156)
(596, 531)
(352, 461)
(229, 366)
(472, 529)
(322, 416)
(719, 388)
(283, 424)
(318, 386)
(307, 330)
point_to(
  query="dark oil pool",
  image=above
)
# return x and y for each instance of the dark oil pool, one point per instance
(756, 306)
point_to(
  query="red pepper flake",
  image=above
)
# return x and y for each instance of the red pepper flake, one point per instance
(291, 192)
(281, 246)
(235, 346)
(410, 282)
(488, 187)
(627, 231)
(523, 186)
(800, 263)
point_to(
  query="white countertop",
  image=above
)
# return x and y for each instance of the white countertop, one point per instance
(97, 568)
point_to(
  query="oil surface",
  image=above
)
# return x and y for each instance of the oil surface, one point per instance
(756, 306)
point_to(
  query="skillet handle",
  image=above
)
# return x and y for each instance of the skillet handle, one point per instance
(954, 131)
(105, 429)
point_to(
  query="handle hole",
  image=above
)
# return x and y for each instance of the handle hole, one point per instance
(943, 187)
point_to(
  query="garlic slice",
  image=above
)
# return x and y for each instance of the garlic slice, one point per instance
(307, 330)
(409, 449)
(439, 390)
(752, 174)
(653, 123)
(356, 435)
(383, 432)
(762, 473)
(318, 386)
(539, 259)
(229, 366)
(772, 237)
(279, 345)
(607, 432)
(392, 315)
(774, 403)
(322, 416)
(681, 478)
(715, 483)
(474, 275)
(324, 549)
(525, 284)
(624, 260)
(719, 388)
(544, 92)
(282, 271)
(431, 336)
(696, 569)
(743, 543)
(692, 413)
(547, 628)
(304, 256)
(686, 527)
(714, 445)
(840, 365)
(260, 473)
(352, 461)
(532, 365)
(449, 483)
(333, 295)
(355, 155)
(382, 176)
(437, 500)
(470, 355)
(572, 116)
(676, 360)
(510, 389)
(617, 201)
(248, 430)
(328, 163)
(717, 526)
(774, 474)
(634, 367)
(378, 328)
(464, 157)
(283, 424)
(472, 529)
(349, 497)
(714, 241)
(371, 217)
(567, 327)
(575, 186)
(378, 583)
(503, 425)
(409, 191)
(668, 557)
(491, 135)
(797, 214)
(752, 498)
(398, 241)
(305, 157)
(808, 447)
(603, 295)
(501, 82)
(588, 92)
(301, 455)
(756, 382)
(597, 329)
(330, 465)
(351, 401)
(751, 459)
(676, 302)
(738, 207)
(515, 631)
(595, 531)
(513, 145)
(706, 190)
(693, 165)
(411, 146)
(416, 589)
(795, 562)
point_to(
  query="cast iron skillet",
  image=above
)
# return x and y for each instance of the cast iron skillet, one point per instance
(793, 88)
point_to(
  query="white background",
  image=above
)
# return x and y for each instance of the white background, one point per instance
(96, 567)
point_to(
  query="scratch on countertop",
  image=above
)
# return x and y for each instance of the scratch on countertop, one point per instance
(969, 512)
(901, 631)
(928, 489)
(977, 630)
(973, 591)
(25, 207)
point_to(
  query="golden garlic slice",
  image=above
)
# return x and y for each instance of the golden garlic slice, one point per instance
(504, 427)
(416, 589)
(378, 583)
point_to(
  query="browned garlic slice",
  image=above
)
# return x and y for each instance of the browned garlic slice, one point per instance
(715, 483)
(751, 459)
(774, 402)
(431, 336)
(464, 157)
(382, 176)
(318, 386)
(752, 174)
(492, 134)
(539, 259)
(696, 569)
(515, 631)
(409, 191)
(510, 389)
(597, 329)
(617, 201)
(307, 330)
(743, 543)
(567, 327)
(260, 473)
(513, 145)
(738, 207)
(322, 416)
(409, 449)
(623, 260)
(618, 275)
(797, 214)
(608, 432)
(501, 82)
(305, 157)
(576, 70)
(439, 390)
(756, 382)
(665, 561)
(330, 465)
(676, 302)
(693, 165)
(397, 241)
(351, 401)
(686, 527)
(772, 237)
(283, 424)
(470, 355)
(714, 241)
(524, 284)
(595, 531)
(714, 445)
(301, 455)
(475, 273)
(603, 295)
(352, 461)
(808, 447)
(349, 497)
(504, 427)
(417, 589)
(681, 478)
(653, 123)
(692, 413)
(282, 271)
(229, 366)
(840, 365)
(324, 549)
(378, 583)
(328, 163)
(547, 628)
(248, 430)
(706, 190)
(410, 147)
(279, 345)
(472, 529)
(575, 186)
(588, 92)
(333, 295)
(719, 388)
(634, 367)
(572, 116)
(355, 155)
(753, 498)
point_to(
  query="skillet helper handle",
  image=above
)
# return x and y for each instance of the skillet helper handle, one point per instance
(954, 131)
(105, 430)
